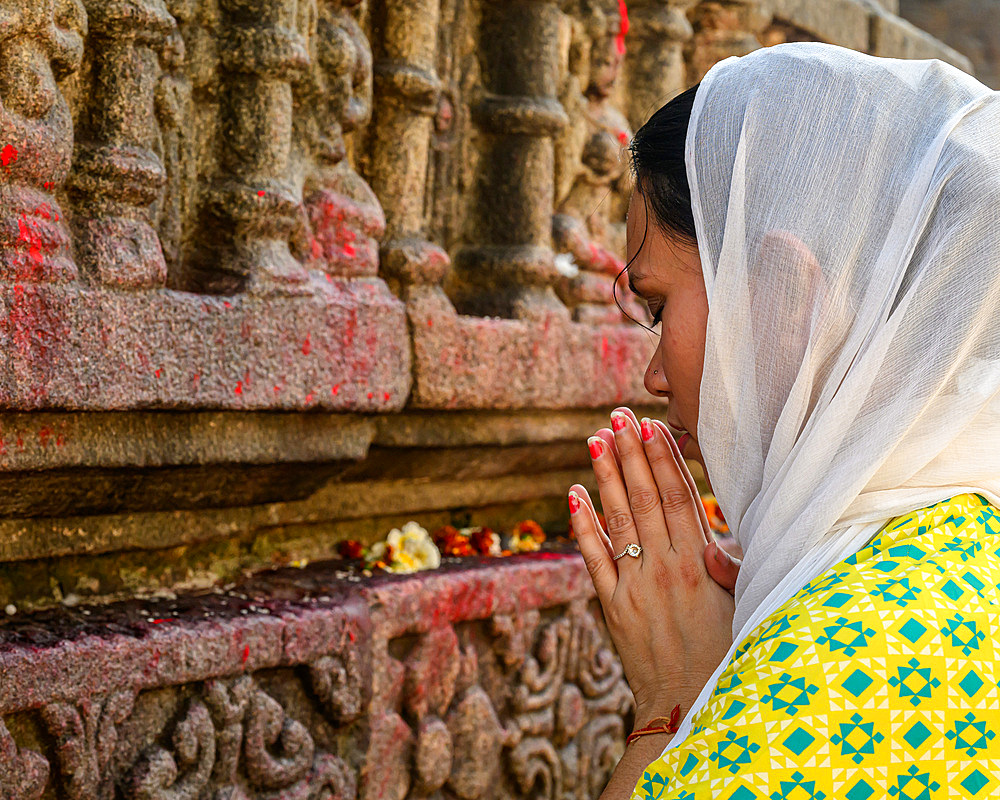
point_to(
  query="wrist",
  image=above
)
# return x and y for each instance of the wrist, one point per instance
(662, 725)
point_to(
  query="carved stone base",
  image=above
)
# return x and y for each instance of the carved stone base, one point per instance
(487, 679)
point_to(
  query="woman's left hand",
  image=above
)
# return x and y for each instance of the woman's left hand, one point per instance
(670, 621)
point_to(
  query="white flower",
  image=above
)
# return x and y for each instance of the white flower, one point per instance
(412, 549)
(565, 265)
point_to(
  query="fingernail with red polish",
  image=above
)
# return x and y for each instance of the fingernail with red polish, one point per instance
(648, 431)
(618, 421)
(596, 446)
(574, 502)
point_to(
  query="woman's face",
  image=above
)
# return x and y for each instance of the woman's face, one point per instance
(668, 276)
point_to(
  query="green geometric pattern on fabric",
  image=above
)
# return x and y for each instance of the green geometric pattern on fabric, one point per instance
(880, 680)
(857, 738)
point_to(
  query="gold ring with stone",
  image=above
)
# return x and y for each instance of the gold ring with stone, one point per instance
(633, 549)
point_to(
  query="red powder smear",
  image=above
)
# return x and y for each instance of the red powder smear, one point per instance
(60, 441)
(430, 323)
(386, 396)
(334, 390)
(604, 347)
(227, 304)
(30, 236)
(8, 155)
(277, 389)
(43, 436)
(371, 395)
(328, 278)
(260, 193)
(623, 16)
(246, 653)
(157, 621)
(351, 636)
(47, 184)
(239, 387)
(310, 397)
(317, 251)
(349, 250)
(196, 379)
(3, 447)
(20, 442)
(622, 137)
(158, 373)
(307, 346)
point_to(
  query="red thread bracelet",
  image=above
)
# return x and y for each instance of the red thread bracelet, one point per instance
(665, 726)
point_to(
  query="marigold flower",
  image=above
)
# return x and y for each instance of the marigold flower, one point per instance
(485, 541)
(715, 519)
(529, 528)
(451, 541)
(350, 550)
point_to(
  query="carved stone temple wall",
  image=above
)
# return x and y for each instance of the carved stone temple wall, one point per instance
(279, 273)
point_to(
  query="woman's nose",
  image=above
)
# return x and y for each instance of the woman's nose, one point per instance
(654, 379)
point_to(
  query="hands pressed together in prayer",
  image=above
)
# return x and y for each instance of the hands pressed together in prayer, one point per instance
(669, 610)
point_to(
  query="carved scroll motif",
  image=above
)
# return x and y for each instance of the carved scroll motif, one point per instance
(23, 773)
(237, 740)
(553, 728)
(117, 173)
(86, 735)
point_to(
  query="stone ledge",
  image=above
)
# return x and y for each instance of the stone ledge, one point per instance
(893, 37)
(465, 362)
(304, 680)
(841, 22)
(342, 347)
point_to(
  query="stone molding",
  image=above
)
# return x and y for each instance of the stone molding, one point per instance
(493, 679)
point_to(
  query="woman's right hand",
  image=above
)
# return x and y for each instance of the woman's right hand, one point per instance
(722, 567)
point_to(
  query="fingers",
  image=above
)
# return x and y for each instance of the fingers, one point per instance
(680, 505)
(602, 568)
(643, 495)
(688, 477)
(723, 568)
(588, 505)
(614, 498)
(609, 439)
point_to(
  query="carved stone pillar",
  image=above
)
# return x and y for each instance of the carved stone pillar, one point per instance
(410, 93)
(655, 64)
(117, 174)
(723, 28)
(253, 200)
(344, 219)
(40, 42)
(511, 273)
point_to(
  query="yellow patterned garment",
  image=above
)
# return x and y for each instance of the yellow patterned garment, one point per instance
(878, 680)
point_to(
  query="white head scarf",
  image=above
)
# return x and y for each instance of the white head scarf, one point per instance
(848, 218)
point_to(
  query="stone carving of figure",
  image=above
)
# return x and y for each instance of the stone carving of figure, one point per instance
(41, 41)
(591, 163)
(343, 217)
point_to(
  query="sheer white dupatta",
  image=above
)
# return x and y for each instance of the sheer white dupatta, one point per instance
(848, 218)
